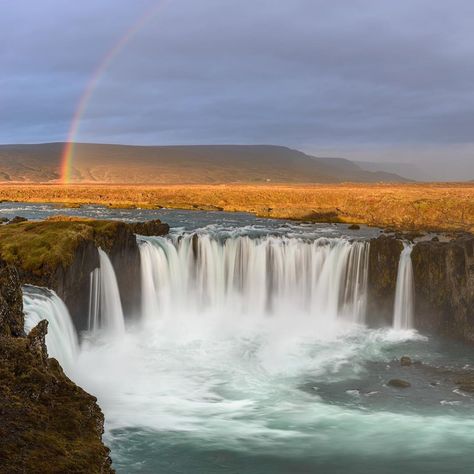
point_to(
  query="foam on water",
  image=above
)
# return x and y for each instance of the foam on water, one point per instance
(233, 332)
(61, 339)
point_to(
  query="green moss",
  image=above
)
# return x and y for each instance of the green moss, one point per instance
(39, 246)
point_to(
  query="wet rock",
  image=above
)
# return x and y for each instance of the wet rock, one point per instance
(354, 227)
(195, 244)
(384, 256)
(465, 382)
(398, 383)
(150, 228)
(405, 361)
(444, 287)
(17, 220)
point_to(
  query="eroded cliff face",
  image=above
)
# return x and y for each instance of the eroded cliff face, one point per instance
(384, 257)
(443, 275)
(47, 423)
(70, 277)
(444, 287)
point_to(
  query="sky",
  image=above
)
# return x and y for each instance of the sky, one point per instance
(369, 80)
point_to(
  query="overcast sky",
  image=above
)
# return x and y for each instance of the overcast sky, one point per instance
(377, 80)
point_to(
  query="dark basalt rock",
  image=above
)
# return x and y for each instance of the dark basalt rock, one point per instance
(37, 341)
(405, 361)
(17, 220)
(72, 283)
(11, 302)
(398, 383)
(47, 423)
(444, 287)
(149, 228)
(354, 227)
(384, 257)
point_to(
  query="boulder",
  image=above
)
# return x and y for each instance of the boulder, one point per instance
(405, 361)
(17, 220)
(398, 383)
(150, 228)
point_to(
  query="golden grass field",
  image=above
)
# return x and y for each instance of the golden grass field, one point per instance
(445, 206)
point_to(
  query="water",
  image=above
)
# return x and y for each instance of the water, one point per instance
(61, 339)
(404, 294)
(105, 306)
(262, 277)
(251, 356)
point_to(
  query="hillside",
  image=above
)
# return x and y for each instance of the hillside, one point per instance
(123, 164)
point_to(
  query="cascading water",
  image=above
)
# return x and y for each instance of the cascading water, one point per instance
(323, 278)
(105, 306)
(404, 294)
(233, 371)
(61, 339)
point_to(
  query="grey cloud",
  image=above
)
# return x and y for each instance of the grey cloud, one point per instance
(350, 75)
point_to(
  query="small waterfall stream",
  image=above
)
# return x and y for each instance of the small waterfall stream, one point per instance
(404, 294)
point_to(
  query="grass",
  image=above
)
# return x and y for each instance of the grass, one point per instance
(444, 206)
(39, 247)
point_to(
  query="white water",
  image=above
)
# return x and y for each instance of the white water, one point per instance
(323, 280)
(61, 339)
(236, 348)
(105, 306)
(404, 294)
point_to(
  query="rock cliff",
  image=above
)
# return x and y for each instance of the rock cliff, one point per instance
(444, 287)
(60, 254)
(47, 423)
(384, 256)
(443, 275)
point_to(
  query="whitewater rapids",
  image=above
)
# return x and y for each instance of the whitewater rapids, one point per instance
(251, 355)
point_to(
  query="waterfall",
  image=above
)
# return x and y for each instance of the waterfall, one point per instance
(105, 306)
(94, 300)
(404, 294)
(323, 278)
(61, 339)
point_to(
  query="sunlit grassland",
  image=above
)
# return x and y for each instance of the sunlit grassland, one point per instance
(443, 206)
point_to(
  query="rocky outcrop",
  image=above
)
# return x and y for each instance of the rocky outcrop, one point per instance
(443, 273)
(154, 227)
(72, 282)
(47, 423)
(65, 253)
(11, 302)
(384, 257)
(444, 287)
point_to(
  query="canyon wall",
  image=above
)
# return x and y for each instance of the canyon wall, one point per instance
(443, 274)
(444, 287)
(47, 423)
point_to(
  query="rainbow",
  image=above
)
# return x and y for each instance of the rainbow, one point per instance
(67, 156)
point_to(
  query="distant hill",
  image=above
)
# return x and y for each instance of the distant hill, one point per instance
(408, 170)
(97, 163)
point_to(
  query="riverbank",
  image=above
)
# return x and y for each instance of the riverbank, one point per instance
(442, 207)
